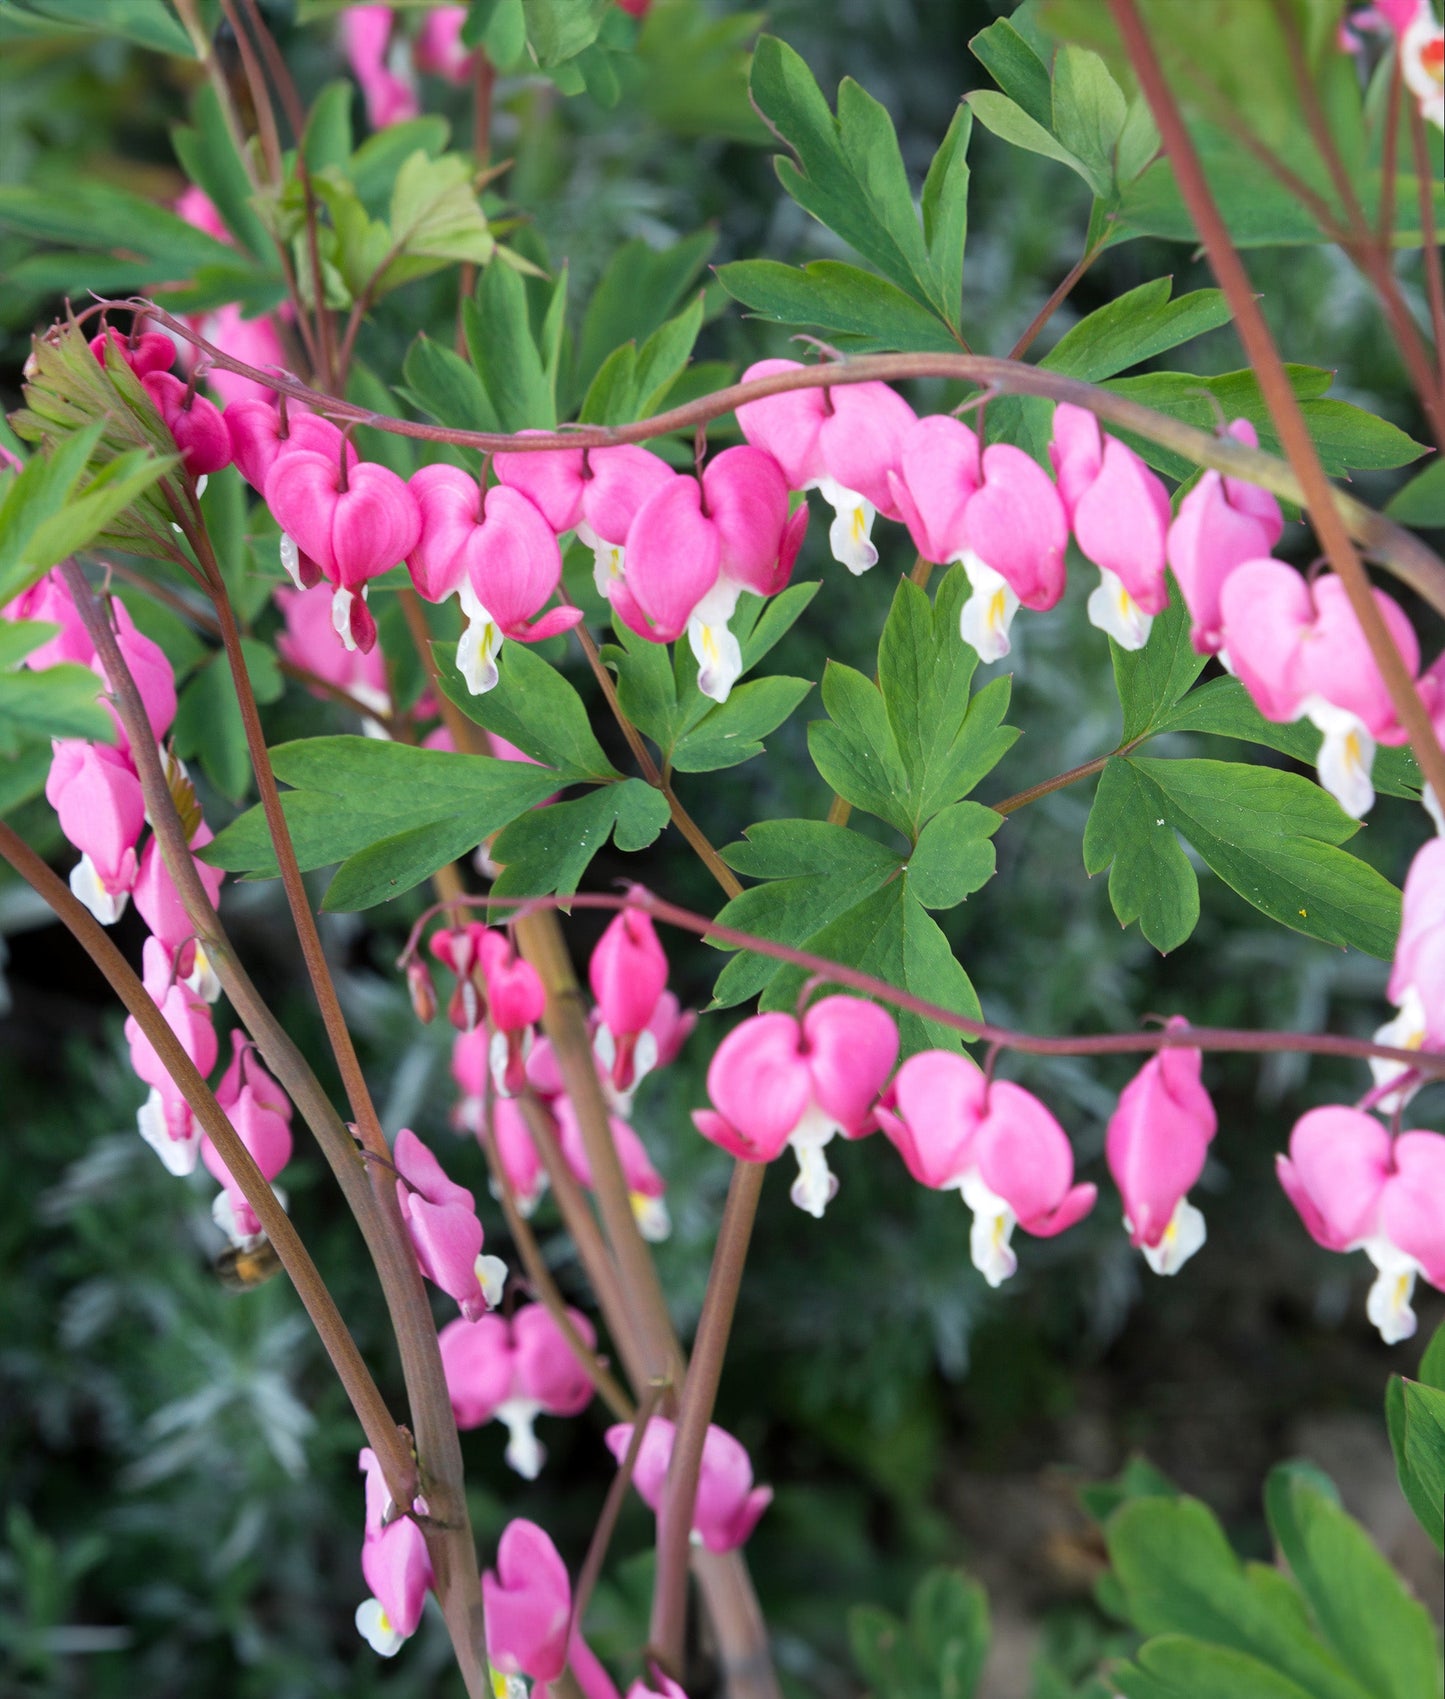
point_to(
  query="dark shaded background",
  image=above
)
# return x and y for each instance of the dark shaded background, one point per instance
(176, 1464)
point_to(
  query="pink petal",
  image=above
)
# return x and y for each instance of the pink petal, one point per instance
(851, 1047)
(1339, 1160)
(760, 1082)
(1016, 525)
(786, 426)
(940, 1098)
(673, 550)
(1266, 609)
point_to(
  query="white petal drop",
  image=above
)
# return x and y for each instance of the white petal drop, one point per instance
(374, 1627)
(525, 1453)
(1184, 1235)
(1346, 755)
(850, 536)
(1388, 1305)
(291, 560)
(993, 1225)
(178, 1155)
(988, 613)
(492, 1276)
(1114, 611)
(106, 906)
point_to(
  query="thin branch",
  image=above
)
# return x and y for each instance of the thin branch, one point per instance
(1392, 545)
(668, 1630)
(1057, 299)
(591, 1569)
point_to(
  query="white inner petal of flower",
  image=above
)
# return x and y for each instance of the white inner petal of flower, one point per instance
(1184, 1235)
(1346, 756)
(375, 1628)
(291, 560)
(653, 1221)
(988, 613)
(106, 906)
(816, 1185)
(492, 1277)
(718, 653)
(993, 1225)
(850, 536)
(1114, 611)
(525, 1453)
(178, 1155)
(1405, 1032)
(478, 645)
(1388, 1305)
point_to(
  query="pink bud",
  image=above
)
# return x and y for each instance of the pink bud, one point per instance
(727, 1506)
(441, 1218)
(439, 48)
(151, 351)
(516, 996)
(627, 973)
(195, 423)
(938, 472)
(1157, 1142)
(528, 1604)
(261, 1115)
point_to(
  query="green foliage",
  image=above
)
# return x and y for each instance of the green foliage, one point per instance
(937, 1653)
(519, 380)
(144, 22)
(1415, 1412)
(391, 814)
(208, 725)
(1422, 501)
(1342, 1626)
(59, 701)
(534, 707)
(550, 849)
(848, 172)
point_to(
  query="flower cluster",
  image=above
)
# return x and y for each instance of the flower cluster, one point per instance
(637, 1026)
(1358, 1185)
(1419, 40)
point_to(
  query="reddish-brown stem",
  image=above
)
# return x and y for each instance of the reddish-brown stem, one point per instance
(438, 1448)
(1094, 1044)
(668, 1630)
(1389, 162)
(696, 837)
(1012, 804)
(591, 1569)
(382, 1433)
(545, 1288)
(1057, 299)
(1274, 383)
(1393, 546)
(1434, 272)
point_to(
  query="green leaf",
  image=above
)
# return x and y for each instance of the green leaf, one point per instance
(549, 850)
(1173, 1667)
(1223, 707)
(558, 30)
(1135, 327)
(893, 937)
(395, 864)
(1273, 837)
(816, 871)
(646, 688)
(1416, 1417)
(375, 164)
(1016, 68)
(328, 138)
(59, 701)
(638, 291)
(953, 857)
(847, 171)
(1150, 879)
(1150, 681)
(209, 728)
(948, 1620)
(761, 623)
(1089, 110)
(1382, 1635)
(884, 1653)
(148, 23)
(435, 218)
(1422, 501)
(209, 158)
(696, 66)
(732, 732)
(1432, 1364)
(855, 750)
(945, 209)
(532, 706)
(632, 382)
(93, 215)
(1179, 1577)
(1008, 121)
(499, 338)
(23, 774)
(352, 793)
(842, 301)
(442, 384)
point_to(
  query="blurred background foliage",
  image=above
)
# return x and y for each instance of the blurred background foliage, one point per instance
(181, 1511)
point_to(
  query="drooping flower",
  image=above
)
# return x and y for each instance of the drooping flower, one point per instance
(646, 1188)
(776, 1081)
(144, 351)
(992, 1142)
(728, 1505)
(938, 473)
(439, 49)
(1357, 1189)
(1017, 533)
(97, 796)
(353, 522)
(260, 1112)
(196, 424)
(1417, 975)
(309, 641)
(746, 498)
(628, 974)
(494, 550)
(396, 1566)
(260, 436)
(512, 1371)
(165, 1119)
(385, 76)
(516, 999)
(441, 1218)
(1157, 1142)
(527, 1601)
(1119, 511)
(460, 949)
(1300, 651)
(672, 552)
(615, 483)
(159, 905)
